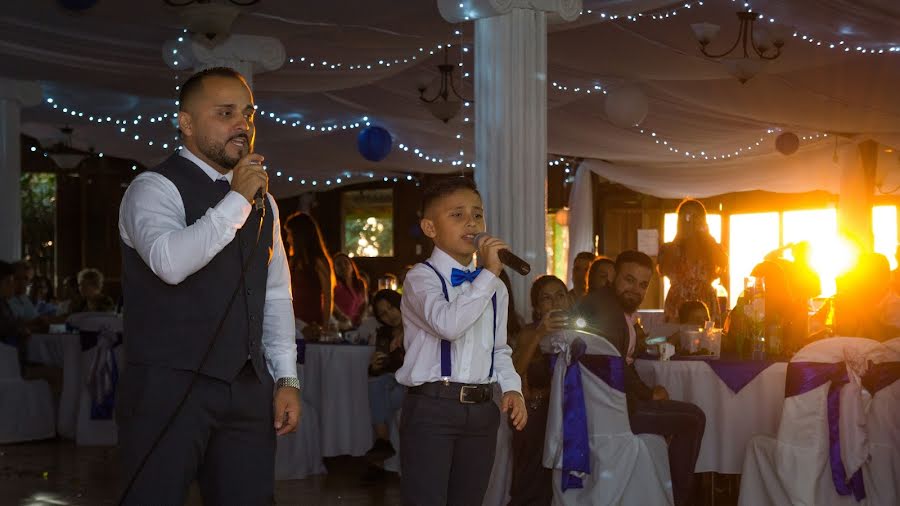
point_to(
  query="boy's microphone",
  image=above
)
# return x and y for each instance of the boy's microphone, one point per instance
(507, 257)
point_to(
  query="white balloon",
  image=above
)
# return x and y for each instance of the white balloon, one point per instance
(626, 107)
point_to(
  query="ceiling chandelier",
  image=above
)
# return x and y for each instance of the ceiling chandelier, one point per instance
(764, 43)
(445, 104)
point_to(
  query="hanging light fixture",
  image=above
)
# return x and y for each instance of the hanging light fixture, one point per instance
(63, 154)
(758, 47)
(445, 104)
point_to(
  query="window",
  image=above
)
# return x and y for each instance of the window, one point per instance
(557, 243)
(368, 223)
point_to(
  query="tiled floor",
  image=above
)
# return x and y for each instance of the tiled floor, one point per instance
(59, 473)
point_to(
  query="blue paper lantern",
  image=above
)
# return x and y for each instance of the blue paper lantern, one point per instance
(374, 143)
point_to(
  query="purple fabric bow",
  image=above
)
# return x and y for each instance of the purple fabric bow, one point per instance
(576, 446)
(805, 376)
(881, 375)
(735, 373)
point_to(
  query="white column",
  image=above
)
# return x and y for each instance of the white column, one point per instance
(511, 121)
(13, 95)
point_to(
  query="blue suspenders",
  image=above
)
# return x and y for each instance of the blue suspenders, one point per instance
(446, 369)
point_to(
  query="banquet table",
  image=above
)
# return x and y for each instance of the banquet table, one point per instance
(337, 384)
(732, 418)
(50, 349)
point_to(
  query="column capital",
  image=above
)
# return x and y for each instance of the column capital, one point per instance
(457, 11)
(27, 93)
(248, 54)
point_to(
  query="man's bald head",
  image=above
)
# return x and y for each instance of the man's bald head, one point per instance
(194, 85)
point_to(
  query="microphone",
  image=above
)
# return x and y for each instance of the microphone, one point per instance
(507, 257)
(258, 202)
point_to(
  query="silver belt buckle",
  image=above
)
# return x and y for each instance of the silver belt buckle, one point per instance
(463, 398)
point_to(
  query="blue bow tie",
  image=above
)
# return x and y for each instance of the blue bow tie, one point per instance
(458, 277)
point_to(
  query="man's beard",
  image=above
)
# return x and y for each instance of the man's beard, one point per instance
(217, 153)
(628, 305)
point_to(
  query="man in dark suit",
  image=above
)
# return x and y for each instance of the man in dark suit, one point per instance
(211, 377)
(612, 313)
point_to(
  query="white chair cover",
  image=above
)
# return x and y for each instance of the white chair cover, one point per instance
(882, 473)
(501, 474)
(795, 467)
(393, 464)
(26, 406)
(626, 469)
(299, 454)
(89, 431)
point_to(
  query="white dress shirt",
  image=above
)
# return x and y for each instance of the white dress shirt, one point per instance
(152, 221)
(466, 321)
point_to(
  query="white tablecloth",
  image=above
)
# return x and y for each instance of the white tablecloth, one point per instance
(731, 419)
(337, 384)
(50, 349)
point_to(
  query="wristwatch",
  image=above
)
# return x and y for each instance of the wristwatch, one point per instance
(288, 382)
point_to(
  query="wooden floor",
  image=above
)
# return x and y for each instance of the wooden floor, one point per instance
(59, 473)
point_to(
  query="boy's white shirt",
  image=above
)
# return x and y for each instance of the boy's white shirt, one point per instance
(466, 321)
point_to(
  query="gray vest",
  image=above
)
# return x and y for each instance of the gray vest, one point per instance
(170, 325)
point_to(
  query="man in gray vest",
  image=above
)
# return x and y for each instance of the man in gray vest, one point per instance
(209, 325)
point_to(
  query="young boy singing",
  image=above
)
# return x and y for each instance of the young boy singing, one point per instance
(454, 319)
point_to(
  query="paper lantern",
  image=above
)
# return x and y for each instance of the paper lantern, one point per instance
(787, 143)
(374, 143)
(626, 107)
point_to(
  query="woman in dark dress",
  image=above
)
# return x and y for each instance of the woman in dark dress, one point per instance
(531, 481)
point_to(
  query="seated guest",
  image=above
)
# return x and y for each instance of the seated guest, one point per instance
(531, 481)
(68, 295)
(600, 273)
(312, 275)
(350, 292)
(693, 312)
(19, 302)
(13, 331)
(90, 287)
(41, 294)
(580, 267)
(385, 394)
(859, 293)
(612, 312)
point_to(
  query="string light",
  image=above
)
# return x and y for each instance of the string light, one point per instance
(381, 63)
(348, 177)
(718, 155)
(595, 89)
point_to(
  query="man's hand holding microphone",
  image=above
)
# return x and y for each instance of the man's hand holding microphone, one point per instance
(250, 179)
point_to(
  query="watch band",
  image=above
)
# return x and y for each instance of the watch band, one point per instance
(288, 382)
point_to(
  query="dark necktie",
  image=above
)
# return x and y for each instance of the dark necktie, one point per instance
(224, 186)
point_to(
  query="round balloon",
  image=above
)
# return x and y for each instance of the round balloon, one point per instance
(787, 143)
(374, 143)
(77, 5)
(626, 107)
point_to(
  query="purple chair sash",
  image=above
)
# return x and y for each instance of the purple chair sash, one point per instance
(735, 373)
(576, 446)
(881, 375)
(805, 376)
(301, 351)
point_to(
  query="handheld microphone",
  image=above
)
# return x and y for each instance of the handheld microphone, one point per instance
(258, 202)
(507, 257)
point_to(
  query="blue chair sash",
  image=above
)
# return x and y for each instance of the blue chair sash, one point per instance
(301, 351)
(576, 445)
(104, 375)
(805, 376)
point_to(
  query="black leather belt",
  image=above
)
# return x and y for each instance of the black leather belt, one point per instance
(466, 394)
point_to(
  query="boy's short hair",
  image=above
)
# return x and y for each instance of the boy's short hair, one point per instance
(633, 257)
(444, 187)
